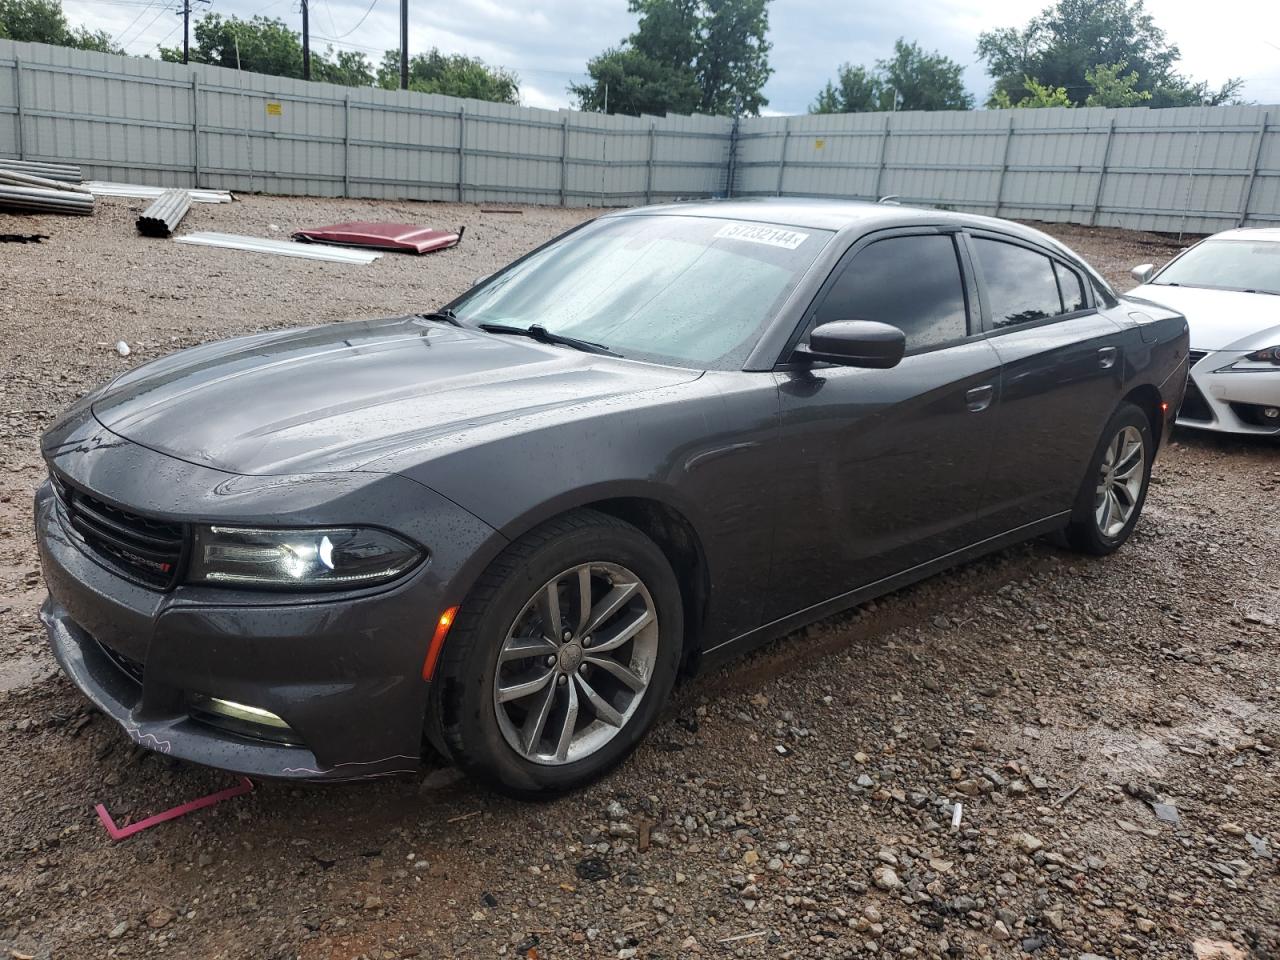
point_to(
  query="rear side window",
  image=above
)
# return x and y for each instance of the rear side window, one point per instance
(1021, 284)
(912, 283)
(1070, 287)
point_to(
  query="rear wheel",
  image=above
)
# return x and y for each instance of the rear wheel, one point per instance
(1115, 485)
(562, 656)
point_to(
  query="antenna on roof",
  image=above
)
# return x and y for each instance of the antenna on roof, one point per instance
(893, 200)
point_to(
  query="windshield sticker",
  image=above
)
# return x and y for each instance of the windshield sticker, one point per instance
(754, 233)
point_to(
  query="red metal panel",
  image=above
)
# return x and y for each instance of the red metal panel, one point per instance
(406, 237)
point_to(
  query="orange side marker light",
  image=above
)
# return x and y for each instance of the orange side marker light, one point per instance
(437, 642)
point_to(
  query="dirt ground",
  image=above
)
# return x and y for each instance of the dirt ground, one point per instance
(1110, 727)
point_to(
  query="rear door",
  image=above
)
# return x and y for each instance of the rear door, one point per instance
(882, 470)
(1062, 369)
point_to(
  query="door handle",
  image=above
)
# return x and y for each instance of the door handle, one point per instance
(979, 398)
(1107, 357)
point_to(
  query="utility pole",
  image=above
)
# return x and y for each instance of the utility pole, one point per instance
(306, 41)
(403, 44)
(186, 29)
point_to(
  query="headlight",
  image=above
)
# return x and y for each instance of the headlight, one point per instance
(320, 559)
(1269, 355)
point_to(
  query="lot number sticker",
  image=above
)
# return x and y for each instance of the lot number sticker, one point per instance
(769, 236)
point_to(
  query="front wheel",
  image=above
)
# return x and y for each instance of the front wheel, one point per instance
(1115, 485)
(561, 657)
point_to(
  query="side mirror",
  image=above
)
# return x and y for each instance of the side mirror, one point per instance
(1142, 272)
(855, 343)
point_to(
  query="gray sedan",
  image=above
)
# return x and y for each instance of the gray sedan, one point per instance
(506, 526)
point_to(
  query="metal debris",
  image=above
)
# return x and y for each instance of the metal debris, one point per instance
(16, 178)
(68, 172)
(136, 191)
(162, 217)
(32, 199)
(284, 248)
(404, 237)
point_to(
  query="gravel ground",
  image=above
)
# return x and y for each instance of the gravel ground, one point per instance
(1109, 727)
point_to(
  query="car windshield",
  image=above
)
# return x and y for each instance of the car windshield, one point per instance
(1227, 265)
(691, 291)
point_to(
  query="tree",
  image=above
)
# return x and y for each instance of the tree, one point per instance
(347, 68)
(733, 59)
(709, 56)
(259, 45)
(628, 82)
(857, 90)
(42, 21)
(1065, 41)
(925, 81)
(452, 74)
(918, 80)
(1113, 88)
(1038, 95)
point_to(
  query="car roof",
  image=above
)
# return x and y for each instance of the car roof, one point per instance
(843, 216)
(1265, 234)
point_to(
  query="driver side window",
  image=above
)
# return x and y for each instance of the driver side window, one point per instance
(912, 283)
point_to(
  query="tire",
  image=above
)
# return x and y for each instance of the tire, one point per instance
(485, 709)
(1099, 526)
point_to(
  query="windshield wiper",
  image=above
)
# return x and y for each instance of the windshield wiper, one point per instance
(445, 315)
(540, 333)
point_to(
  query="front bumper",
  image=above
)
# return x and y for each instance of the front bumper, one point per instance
(1229, 401)
(344, 671)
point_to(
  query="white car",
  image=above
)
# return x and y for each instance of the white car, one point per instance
(1228, 287)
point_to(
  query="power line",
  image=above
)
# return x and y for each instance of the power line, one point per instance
(152, 23)
(132, 22)
(347, 43)
(359, 23)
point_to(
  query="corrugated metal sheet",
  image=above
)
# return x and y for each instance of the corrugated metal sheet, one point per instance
(1192, 169)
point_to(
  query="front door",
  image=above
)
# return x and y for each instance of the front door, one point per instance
(883, 470)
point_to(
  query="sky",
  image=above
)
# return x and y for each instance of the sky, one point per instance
(548, 42)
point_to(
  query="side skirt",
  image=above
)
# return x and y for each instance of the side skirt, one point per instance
(730, 649)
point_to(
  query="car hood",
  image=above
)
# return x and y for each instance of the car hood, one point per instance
(1220, 319)
(342, 396)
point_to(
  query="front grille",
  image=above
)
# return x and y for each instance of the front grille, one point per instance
(1194, 406)
(146, 549)
(1195, 356)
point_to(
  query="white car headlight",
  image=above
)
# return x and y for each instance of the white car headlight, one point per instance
(1266, 355)
(327, 558)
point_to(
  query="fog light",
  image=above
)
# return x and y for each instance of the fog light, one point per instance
(1271, 413)
(241, 718)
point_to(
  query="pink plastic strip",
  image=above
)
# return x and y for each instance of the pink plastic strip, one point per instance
(119, 833)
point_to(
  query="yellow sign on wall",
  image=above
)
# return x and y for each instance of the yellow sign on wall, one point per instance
(819, 144)
(275, 109)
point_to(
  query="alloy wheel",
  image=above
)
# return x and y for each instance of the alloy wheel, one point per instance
(576, 663)
(1120, 480)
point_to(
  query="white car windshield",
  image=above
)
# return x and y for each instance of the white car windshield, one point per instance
(1248, 265)
(693, 291)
